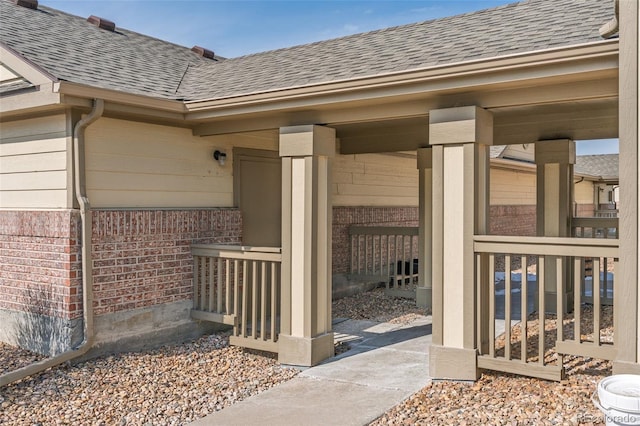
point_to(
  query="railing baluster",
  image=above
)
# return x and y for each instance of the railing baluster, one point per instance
(541, 325)
(395, 261)
(411, 260)
(578, 280)
(366, 254)
(478, 304)
(605, 280)
(227, 272)
(220, 291)
(352, 253)
(560, 299)
(388, 261)
(263, 300)
(492, 305)
(358, 255)
(274, 298)
(203, 284)
(212, 284)
(254, 297)
(583, 271)
(245, 291)
(523, 310)
(236, 287)
(596, 301)
(404, 264)
(507, 307)
(196, 283)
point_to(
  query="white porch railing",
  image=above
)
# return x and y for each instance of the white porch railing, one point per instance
(388, 254)
(239, 286)
(526, 348)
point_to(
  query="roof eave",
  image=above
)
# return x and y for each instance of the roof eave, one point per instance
(198, 109)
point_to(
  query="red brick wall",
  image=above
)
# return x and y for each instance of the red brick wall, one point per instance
(143, 258)
(512, 220)
(585, 210)
(40, 262)
(343, 217)
(140, 258)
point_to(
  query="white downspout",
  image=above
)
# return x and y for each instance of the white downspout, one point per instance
(87, 275)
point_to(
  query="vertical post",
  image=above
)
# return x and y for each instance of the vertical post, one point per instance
(627, 276)
(306, 337)
(460, 179)
(423, 292)
(554, 191)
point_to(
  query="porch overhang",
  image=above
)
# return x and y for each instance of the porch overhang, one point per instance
(580, 77)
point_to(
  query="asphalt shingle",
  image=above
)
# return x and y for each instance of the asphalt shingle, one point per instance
(603, 165)
(72, 49)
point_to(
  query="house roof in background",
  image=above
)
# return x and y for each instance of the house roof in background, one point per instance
(603, 165)
(74, 50)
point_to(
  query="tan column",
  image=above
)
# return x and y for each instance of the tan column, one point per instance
(460, 138)
(423, 292)
(306, 337)
(627, 275)
(554, 190)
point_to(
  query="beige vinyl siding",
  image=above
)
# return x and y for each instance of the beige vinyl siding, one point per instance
(583, 192)
(34, 163)
(132, 164)
(510, 187)
(375, 180)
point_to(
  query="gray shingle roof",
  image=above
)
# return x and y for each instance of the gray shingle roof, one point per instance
(520, 27)
(74, 50)
(603, 165)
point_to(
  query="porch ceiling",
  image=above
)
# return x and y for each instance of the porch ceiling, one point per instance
(588, 119)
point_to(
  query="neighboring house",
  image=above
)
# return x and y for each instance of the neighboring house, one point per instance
(124, 158)
(606, 191)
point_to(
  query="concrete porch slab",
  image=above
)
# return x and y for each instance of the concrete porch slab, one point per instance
(386, 364)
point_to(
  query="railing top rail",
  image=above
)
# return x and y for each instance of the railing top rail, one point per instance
(230, 247)
(595, 222)
(383, 230)
(551, 246)
(273, 254)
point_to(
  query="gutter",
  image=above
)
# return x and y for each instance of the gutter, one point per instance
(87, 275)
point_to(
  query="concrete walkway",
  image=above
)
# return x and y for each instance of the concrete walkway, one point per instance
(385, 365)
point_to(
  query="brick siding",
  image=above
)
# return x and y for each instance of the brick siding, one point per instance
(140, 258)
(585, 210)
(40, 262)
(512, 220)
(143, 257)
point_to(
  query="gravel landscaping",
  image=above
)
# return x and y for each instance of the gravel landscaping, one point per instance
(177, 384)
(171, 385)
(506, 399)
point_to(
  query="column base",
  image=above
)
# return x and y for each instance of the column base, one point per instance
(453, 363)
(305, 351)
(423, 297)
(625, 367)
